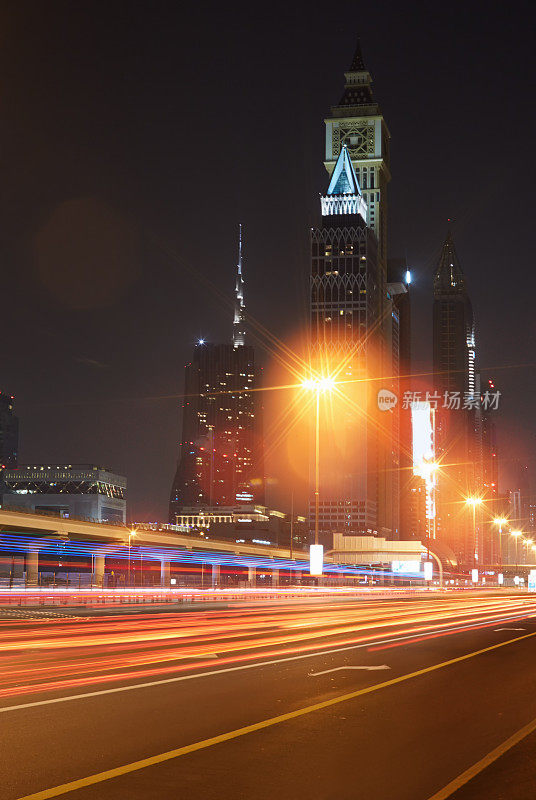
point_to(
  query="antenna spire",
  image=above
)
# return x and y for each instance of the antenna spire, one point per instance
(239, 332)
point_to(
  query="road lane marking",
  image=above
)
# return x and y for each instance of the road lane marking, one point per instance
(135, 766)
(337, 669)
(480, 766)
(509, 629)
(255, 665)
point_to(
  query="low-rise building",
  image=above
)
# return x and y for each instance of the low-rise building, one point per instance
(80, 491)
(251, 524)
(364, 550)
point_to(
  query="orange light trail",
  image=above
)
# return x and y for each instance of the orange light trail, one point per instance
(83, 653)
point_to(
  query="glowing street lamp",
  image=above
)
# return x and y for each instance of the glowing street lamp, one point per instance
(474, 502)
(319, 385)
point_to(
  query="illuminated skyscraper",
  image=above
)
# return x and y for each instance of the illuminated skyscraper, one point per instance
(9, 432)
(344, 313)
(221, 451)
(457, 419)
(355, 317)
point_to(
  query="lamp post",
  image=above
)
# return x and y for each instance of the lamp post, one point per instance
(474, 502)
(527, 543)
(318, 385)
(500, 521)
(516, 535)
(130, 535)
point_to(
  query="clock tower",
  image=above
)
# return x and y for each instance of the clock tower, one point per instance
(358, 123)
(356, 126)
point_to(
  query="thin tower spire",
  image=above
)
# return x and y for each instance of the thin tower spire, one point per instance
(239, 332)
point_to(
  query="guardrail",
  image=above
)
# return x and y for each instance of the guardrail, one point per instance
(120, 597)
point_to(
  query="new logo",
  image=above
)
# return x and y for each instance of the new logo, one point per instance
(386, 400)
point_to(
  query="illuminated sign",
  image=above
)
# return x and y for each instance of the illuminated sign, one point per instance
(424, 463)
(406, 566)
(428, 570)
(316, 559)
(474, 575)
(500, 578)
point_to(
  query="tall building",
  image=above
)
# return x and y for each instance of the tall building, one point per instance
(358, 123)
(9, 432)
(344, 290)
(80, 491)
(490, 472)
(355, 318)
(455, 382)
(221, 453)
(404, 491)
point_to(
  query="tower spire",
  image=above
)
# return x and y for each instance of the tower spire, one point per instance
(239, 333)
(357, 65)
(449, 277)
(357, 90)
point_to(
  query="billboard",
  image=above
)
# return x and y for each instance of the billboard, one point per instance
(423, 447)
(316, 559)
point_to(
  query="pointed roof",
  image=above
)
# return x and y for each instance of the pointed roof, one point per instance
(358, 91)
(357, 65)
(343, 179)
(449, 277)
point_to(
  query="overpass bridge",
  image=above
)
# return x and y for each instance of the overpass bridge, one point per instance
(31, 543)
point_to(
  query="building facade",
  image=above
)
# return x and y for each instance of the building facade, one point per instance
(83, 491)
(399, 300)
(9, 432)
(221, 452)
(246, 524)
(458, 413)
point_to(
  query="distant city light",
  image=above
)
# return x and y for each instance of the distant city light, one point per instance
(201, 341)
(408, 276)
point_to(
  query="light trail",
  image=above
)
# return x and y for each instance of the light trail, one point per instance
(79, 653)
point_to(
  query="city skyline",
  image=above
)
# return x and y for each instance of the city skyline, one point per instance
(267, 439)
(118, 390)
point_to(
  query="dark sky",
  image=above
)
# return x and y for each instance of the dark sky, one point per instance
(135, 136)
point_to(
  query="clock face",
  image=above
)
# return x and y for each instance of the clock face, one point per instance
(358, 138)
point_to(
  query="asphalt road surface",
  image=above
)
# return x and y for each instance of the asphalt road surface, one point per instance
(405, 699)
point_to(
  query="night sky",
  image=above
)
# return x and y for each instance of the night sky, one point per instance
(135, 136)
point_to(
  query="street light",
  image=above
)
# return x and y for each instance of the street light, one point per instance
(474, 502)
(130, 535)
(319, 385)
(516, 535)
(500, 521)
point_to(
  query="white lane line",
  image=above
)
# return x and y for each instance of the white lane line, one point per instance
(239, 667)
(337, 669)
(509, 629)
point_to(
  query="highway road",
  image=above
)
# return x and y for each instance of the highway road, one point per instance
(407, 698)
